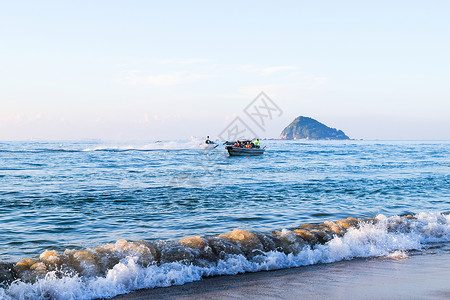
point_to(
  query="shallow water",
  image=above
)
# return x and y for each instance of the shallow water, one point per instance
(73, 195)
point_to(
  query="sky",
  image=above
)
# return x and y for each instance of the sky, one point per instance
(164, 70)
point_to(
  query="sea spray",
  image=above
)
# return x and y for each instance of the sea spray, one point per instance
(113, 269)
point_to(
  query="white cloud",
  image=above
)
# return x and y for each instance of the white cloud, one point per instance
(175, 78)
(273, 77)
(265, 71)
(164, 79)
(292, 86)
(17, 118)
(145, 119)
(183, 61)
(307, 80)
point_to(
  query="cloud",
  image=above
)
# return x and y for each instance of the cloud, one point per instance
(177, 78)
(308, 80)
(145, 119)
(294, 84)
(265, 71)
(17, 118)
(163, 79)
(184, 61)
(270, 76)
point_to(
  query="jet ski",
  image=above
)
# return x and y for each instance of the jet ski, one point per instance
(208, 144)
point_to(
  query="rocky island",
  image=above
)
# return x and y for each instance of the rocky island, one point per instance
(305, 128)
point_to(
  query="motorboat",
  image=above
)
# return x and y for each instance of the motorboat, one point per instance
(244, 151)
(236, 151)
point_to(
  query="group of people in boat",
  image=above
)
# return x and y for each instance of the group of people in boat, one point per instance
(247, 144)
(240, 144)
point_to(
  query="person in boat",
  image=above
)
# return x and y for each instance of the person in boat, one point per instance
(208, 141)
(237, 144)
(249, 145)
(256, 143)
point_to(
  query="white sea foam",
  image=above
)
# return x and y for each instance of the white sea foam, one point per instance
(191, 144)
(398, 255)
(389, 237)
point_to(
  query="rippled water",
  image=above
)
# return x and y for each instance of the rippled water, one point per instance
(94, 220)
(71, 195)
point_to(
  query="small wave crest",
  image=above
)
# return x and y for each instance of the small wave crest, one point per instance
(113, 269)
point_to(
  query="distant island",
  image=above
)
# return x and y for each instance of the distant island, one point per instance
(304, 128)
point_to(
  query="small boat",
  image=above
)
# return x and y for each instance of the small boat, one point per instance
(238, 151)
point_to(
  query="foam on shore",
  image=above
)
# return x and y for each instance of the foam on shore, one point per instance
(118, 268)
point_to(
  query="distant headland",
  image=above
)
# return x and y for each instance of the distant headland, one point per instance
(305, 128)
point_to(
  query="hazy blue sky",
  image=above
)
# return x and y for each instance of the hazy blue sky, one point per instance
(174, 69)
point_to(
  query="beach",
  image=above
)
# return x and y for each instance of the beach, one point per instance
(422, 276)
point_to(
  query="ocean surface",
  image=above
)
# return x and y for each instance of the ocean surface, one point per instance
(83, 220)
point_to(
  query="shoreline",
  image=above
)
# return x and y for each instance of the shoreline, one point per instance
(422, 276)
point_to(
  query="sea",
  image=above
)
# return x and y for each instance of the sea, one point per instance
(96, 219)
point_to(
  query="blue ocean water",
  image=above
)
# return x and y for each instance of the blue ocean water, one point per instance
(81, 195)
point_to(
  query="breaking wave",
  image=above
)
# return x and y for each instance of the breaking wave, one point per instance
(118, 268)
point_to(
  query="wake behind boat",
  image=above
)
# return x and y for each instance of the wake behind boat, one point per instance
(245, 148)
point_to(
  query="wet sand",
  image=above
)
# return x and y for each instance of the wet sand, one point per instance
(425, 276)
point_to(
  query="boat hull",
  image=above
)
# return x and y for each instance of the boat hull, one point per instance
(234, 151)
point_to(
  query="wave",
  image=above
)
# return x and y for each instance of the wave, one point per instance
(193, 144)
(153, 146)
(41, 150)
(118, 268)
